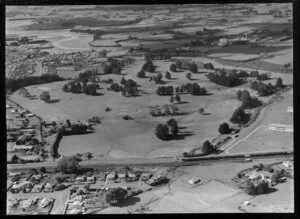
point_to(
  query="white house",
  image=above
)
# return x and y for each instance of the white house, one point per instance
(290, 109)
(281, 127)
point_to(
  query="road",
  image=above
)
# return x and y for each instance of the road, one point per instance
(168, 162)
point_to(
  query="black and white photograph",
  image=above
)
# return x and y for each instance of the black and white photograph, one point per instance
(149, 108)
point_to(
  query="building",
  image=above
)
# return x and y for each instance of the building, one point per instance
(281, 127)
(223, 42)
(290, 109)
(288, 164)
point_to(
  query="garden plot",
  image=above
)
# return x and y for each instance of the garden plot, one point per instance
(30, 206)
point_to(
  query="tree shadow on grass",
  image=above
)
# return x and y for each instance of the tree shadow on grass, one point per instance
(183, 102)
(271, 190)
(129, 201)
(54, 101)
(193, 79)
(83, 170)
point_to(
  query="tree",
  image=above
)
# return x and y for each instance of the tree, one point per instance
(250, 189)
(178, 64)
(193, 67)
(201, 110)
(208, 66)
(173, 67)
(115, 195)
(171, 99)
(123, 81)
(141, 74)
(168, 75)
(239, 116)
(45, 96)
(245, 97)
(68, 164)
(177, 98)
(173, 126)
(65, 88)
(239, 94)
(279, 83)
(207, 147)
(162, 131)
(42, 170)
(224, 128)
(189, 76)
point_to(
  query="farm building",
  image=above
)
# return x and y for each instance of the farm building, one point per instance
(281, 127)
(290, 109)
(288, 164)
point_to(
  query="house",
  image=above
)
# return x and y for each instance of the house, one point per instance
(223, 42)
(80, 179)
(111, 176)
(122, 176)
(288, 164)
(14, 159)
(194, 180)
(131, 177)
(91, 179)
(48, 187)
(32, 158)
(45, 202)
(290, 109)
(256, 175)
(146, 176)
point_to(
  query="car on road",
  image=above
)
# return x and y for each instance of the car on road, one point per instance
(248, 160)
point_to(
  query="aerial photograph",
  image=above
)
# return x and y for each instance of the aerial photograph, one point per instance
(149, 109)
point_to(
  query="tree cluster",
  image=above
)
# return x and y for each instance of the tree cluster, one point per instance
(141, 74)
(262, 88)
(15, 84)
(208, 66)
(148, 66)
(239, 116)
(68, 164)
(256, 187)
(207, 148)
(263, 77)
(248, 102)
(116, 88)
(45, 96)
(113, 67)
(115, 195)
(157, 79)
(163, 131)
(231, 80)
(130, 88)
(87, 75)
(164, 90)
(76, 87)
(173, 67)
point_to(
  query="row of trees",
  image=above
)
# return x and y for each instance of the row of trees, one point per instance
(193, 89)
(231, 80)
(168, 130)
(206, 148)
(15, 84)
(178, 65)
(113, 67)
(267, 89)
(75, 87)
